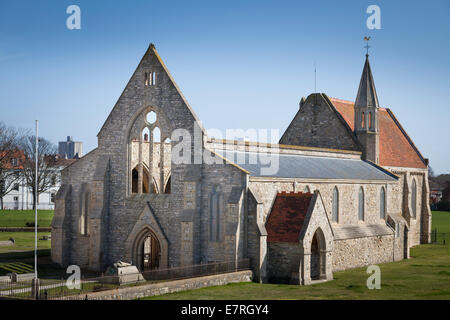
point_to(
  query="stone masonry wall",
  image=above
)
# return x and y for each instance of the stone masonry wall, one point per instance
(353, 253)
(348, 197)
(231, 246)
(283, 261)
(400, 201)
(317, 125)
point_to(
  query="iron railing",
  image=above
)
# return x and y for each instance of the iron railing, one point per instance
(439, 237)
(57, 289)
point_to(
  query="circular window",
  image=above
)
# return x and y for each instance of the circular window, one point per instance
(151, 117)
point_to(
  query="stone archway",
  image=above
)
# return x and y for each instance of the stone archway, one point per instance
(147, 251)
(318, 256)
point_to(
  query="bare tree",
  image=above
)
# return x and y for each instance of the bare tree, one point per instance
(10, 158)
(430, 172)
(47, 170)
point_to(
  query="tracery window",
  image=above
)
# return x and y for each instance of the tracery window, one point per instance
(150, 157)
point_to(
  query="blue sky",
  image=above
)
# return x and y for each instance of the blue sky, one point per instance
(240, 64)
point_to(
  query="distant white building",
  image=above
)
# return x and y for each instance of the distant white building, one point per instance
(70, 149)
(21, 196)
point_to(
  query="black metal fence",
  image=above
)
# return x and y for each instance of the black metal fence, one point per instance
(20, 289)
(54, 289)
(439, 237)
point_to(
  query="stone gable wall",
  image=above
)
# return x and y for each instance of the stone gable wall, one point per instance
(317, 125)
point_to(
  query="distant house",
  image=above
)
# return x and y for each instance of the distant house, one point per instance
(435, 196)
(21, 196)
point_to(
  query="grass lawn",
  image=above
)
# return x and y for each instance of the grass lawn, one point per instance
(425, 276)
(18, 218)
(24, 241)
(441, 221)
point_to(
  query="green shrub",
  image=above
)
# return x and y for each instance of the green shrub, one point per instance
(443, 205)
(30, 224)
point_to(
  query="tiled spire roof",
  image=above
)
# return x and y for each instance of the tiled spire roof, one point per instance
(367, 94)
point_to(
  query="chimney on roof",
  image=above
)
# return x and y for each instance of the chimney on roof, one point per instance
(302, 101)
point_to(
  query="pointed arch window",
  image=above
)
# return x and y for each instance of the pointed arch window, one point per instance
(216, 209)
(84, 216)
(145, 134)
(363, 119)
(370, 121)
(414, 198)
(382, 203)
(149, 155)
(135, 180)
(156, 135)
(335, 206)
(361, 204)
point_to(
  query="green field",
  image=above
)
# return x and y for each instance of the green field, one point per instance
(441, 221)
(24, 241)
(18, 218)
(425, 276)
(17, 267)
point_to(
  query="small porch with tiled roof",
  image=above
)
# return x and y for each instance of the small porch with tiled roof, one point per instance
(299, 239)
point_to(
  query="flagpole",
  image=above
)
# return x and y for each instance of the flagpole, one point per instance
(35, 202)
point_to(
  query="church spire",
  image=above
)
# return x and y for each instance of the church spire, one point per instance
(367, 94)
(366, 114)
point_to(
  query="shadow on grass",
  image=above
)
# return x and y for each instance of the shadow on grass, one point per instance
(24, 254)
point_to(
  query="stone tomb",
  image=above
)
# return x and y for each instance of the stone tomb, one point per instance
(122, 273)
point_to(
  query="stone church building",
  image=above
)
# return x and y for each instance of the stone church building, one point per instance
(350, 188)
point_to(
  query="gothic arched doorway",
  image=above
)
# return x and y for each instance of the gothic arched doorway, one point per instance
(318, 256)
(147, 251)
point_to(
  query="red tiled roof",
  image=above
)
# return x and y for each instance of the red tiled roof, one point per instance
(396, 147)
(287, 216)
(6, 159)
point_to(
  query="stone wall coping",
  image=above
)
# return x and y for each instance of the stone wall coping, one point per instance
(167, 286)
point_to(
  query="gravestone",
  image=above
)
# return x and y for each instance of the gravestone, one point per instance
(7, 243)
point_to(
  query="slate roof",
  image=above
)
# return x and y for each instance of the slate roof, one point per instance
(308, 167)
(286, 219)
(396, 147)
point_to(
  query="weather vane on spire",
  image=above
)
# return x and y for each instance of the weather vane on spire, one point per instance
(367, 45)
